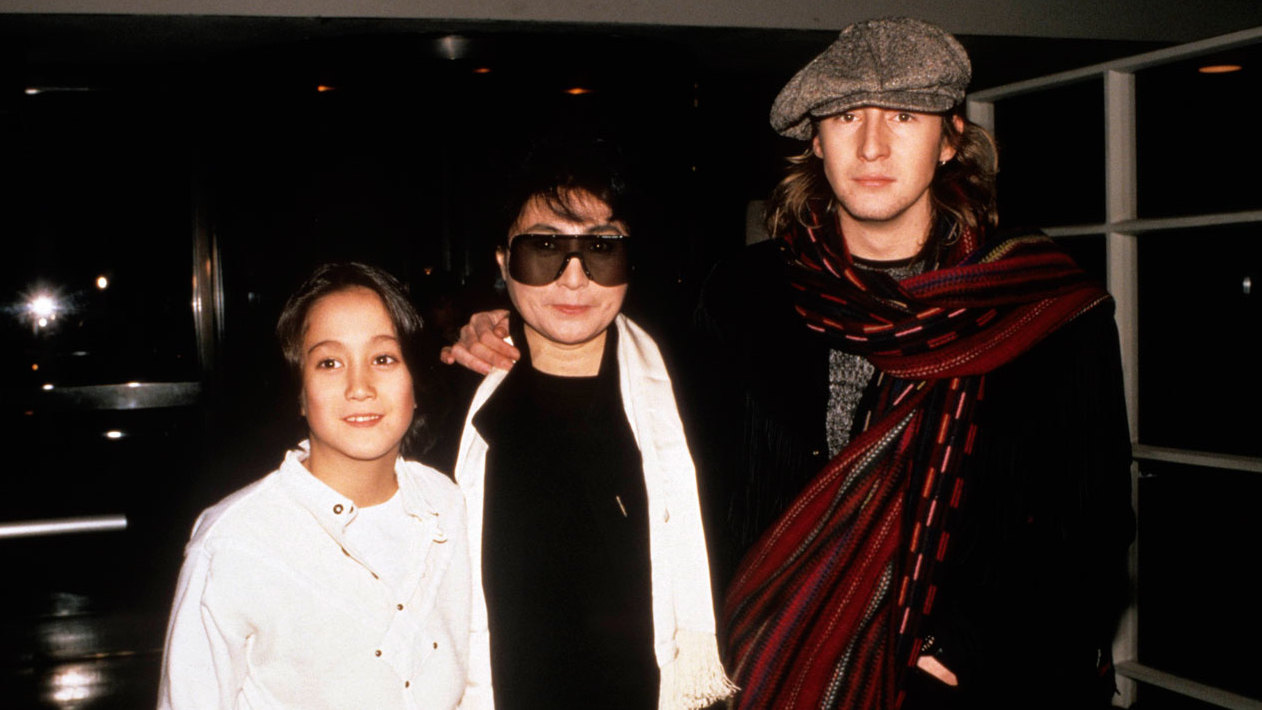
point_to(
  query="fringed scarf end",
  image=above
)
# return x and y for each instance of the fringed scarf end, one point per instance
(694, 679)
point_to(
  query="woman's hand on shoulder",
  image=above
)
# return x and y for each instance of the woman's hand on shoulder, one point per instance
(483, 344)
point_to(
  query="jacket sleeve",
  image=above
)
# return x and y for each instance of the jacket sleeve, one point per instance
(204, 657)
(755, 390)
(1037, 576)
(469, 472)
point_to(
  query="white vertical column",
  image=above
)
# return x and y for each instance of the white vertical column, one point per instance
(1122, 204)
(1123, 282)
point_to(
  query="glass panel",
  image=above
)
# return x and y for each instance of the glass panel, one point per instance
(1051, 156)
(94, 204)
(1197, 153)
(96, 290)
(1198, 324)
(1154, 698)
(1090, 254)
(1199, 619)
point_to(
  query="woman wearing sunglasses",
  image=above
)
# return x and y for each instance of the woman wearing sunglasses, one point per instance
(591, 583)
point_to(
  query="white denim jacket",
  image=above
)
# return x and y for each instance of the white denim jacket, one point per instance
(274, 609)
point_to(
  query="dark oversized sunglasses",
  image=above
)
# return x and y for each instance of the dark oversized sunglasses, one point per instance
(540, 259)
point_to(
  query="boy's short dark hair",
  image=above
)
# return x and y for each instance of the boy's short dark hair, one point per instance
(328, 279)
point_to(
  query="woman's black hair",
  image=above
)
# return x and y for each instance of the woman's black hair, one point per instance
(328, 279)
(556, 168)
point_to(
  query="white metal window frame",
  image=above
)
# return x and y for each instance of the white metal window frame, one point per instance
(1122, 228)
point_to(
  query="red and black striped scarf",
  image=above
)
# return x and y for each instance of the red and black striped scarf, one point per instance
(826, 609)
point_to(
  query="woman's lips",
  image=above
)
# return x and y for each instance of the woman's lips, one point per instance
(570, 310)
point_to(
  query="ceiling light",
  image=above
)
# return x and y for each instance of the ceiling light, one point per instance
(453, 47)
(1220, 68)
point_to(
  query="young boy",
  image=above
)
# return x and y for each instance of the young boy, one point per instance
(340, 580)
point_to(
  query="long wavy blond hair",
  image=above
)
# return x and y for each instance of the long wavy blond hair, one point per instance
(963, 187)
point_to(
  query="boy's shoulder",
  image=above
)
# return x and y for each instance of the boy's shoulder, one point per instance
(435, 486)
(239, 513)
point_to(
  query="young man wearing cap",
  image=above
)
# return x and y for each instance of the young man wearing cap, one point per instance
(954, 535)
(930, 486)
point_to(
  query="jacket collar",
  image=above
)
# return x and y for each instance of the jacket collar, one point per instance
(334, 511)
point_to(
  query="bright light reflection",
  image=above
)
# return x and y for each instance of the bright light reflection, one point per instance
(578, 91)
(1220, 68)
(102, 283)
(43, 306)
(133, 384)
(114, 434)
(453, 47)
(74, 684)
(47, 386)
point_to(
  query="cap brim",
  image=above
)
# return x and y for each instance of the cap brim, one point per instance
(918, 101)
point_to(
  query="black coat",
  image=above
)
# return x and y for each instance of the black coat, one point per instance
(1036, 575)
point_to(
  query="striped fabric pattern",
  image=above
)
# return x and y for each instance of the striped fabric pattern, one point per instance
(827, 609)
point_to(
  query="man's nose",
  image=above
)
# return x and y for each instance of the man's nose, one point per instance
(874, 141)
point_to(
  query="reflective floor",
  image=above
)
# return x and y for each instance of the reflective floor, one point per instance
(84, 614)
(84, 617)
(117, 682)
(77, 657)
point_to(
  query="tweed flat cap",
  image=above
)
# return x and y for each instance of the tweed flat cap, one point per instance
(895, 63)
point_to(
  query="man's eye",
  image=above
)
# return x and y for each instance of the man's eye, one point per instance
(544, 244)
(847, 117)
(903, 117)
(601, 246)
